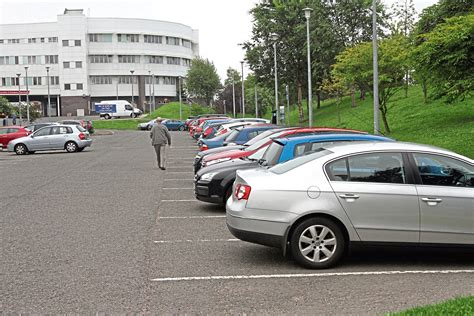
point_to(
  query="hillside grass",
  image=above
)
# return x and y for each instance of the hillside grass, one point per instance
(460, 306)
(434, 123)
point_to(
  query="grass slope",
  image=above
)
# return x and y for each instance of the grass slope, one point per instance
(459, 306)
(434, 123)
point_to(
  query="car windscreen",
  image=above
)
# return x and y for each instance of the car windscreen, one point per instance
(233, 135)
(81, 129)
(262, 141)
(291, 164)
(272, 154)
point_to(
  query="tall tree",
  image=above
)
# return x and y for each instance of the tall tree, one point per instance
(202, 80)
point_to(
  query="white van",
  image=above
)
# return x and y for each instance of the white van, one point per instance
(116, 108)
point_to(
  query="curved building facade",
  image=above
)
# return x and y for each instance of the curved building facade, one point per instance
(87, 60)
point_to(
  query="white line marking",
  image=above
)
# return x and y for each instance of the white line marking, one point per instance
(307, 275)
(178, 188)
(194, 200)
(178, 179)
(192, 217)
(192, 241)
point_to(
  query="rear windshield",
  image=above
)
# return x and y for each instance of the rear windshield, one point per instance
(233, 135)
(291, 164)
(263, 140)
(259, 137)
(81, 129)
(272, 154)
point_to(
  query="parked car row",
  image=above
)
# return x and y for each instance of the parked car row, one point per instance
(172, 125)
(316, 192)
(66, 135)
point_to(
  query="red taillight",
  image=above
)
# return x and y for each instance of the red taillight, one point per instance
(242, 192)
(207, 132)
(204, 147)
(222, 131)
(82, 136)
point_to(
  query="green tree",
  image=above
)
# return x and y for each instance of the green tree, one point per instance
(446, 53)
(5, 107)
(202, 80)
(354, 66)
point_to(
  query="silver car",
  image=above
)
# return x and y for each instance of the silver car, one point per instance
(71, 138)
(316, 206)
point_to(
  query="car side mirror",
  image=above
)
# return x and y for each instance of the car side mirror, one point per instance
(262, 162)
(32, 136)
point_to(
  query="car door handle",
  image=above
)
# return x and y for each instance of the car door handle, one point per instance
(349, 197)
(432, 201)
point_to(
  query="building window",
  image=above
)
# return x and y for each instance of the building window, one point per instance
(100, 38)
(172, 40)
(156, 39)
(53, 40)
(186, 62)
(65, 43)
(173, 60)
(186, 43)
(13, 41)
(66, 64)
(169, 80)
(32, 40)
(54, 80)
(101, 80)
(79, 86)
(51, 59)
(34, 60)
(100, 59)
(155, 59)
(129, 59)
(77, 42)
(9, 60)
(36, 81)
(42, 39)
(1, 41)
(127, 79)
(67, 86)
(78, 64)
(128, 38)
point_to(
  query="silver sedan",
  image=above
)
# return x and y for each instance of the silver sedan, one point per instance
(316, 206)
(71, 138)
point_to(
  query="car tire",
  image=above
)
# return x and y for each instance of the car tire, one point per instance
(20, 149)
(181, 128)
(71, 147)
(317, 243)
(107, 116)
(149, 127)
(80, 149)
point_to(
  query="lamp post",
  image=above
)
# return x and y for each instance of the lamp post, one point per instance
(153, 83)
(233, 96)
(307, 14)
(180, 106)
(116, 86)
(376, 69)
(243, 89)
(27, 96)
(256, 101)
(149, 88)
(275, 38)
(19, 96)
(49, 96)
(133, 99)
(287, 91)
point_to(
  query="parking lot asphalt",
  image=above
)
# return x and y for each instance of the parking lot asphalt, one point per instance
(106, 231)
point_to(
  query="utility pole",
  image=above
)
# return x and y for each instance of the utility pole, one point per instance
(27, 96)
(256, 102)
(376, 68)
(233, 96)
(243, 89)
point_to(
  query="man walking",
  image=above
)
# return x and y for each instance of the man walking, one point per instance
(160, 136)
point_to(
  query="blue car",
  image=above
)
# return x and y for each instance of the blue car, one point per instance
(243, 134)
(174, 125)
(213, 184)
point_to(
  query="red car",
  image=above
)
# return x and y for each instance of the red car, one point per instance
(238, 153)
(196, 126)
(9, 133)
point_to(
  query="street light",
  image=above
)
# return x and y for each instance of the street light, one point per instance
(376, 68)
(153, 83)
(179, 91)
(49, 97)
(27, 96)
(233, 95)
(243, 89)
(133, 99)
(149, 86)
(275, 38)
(256, 100)
(307, 15)
(19, 96)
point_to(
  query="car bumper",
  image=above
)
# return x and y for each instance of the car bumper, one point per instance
(262, 227)
(207, 192)
(84, 143)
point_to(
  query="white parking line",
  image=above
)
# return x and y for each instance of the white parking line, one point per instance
(191, 217)
(194, 200)
(193, 241)
(307, 275)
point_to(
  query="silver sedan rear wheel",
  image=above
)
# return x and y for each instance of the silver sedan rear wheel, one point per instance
(71, 147)
(317, 243)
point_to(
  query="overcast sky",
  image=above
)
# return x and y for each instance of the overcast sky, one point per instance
(222, 24)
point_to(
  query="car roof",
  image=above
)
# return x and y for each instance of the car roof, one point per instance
(259, 126)
(354, 147)
(338, 136)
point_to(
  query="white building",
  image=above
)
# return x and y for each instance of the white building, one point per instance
(91, 59)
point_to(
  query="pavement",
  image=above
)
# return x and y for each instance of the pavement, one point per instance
(106, 231)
